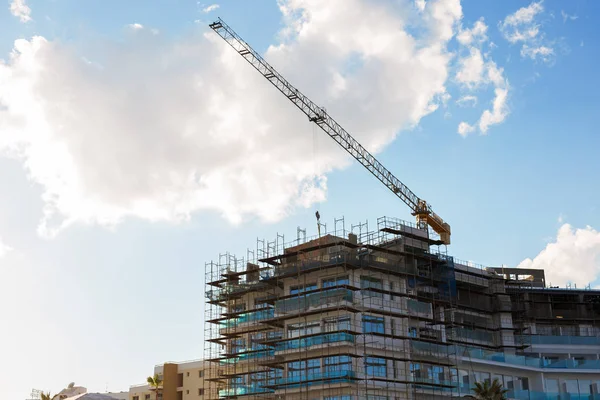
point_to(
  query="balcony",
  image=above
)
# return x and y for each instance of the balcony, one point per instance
(254, 316)
(306, 301)
(416, 307)
(244, 390)
(302, 343)
(530, 395)
(316, 379)
(527, 361)
(248, 356)
(564, 340)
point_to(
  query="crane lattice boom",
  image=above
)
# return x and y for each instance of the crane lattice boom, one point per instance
(420, 208)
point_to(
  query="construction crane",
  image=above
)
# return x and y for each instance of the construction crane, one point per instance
(420, 208)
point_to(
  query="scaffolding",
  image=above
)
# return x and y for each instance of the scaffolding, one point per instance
(382, 314)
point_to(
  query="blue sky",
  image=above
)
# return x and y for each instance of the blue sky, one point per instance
(104, 238)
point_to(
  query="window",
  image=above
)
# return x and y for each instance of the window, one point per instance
(304, 368)
(261, 302)
(463, 377)
(343, 397)
(337, 281)
(337, 363)
(341, 323)
(200, 392)
(238, 345)
(482, 376)
(523, 383)
(571, 386)
(376, 397)
(585, 387)
(137, 397)
(375, 366)
(147, 397)
(391, 290)
(201, 373)
(497, 377)
(299, 289)
(413, 332)
(415, 371)
(367, 283)
(238, 380)
(238, 307)
(187, 392)
(552, 386)
(436, 373)
(187, 374)
(373, 324)
(303, 328)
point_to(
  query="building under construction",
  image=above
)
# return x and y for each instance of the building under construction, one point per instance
(384, 315)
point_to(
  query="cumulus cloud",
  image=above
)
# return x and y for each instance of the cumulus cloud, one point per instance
(477, 70)
(4, 248)
(498, 112)
(464, 129)
(522, 27)
(201, 129)
(21, 10)
(210, 8)
(472, 35)
(471, 67)
(573, 257)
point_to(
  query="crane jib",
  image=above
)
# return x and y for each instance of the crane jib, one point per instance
(319, 116)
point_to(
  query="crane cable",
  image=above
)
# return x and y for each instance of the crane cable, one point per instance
(315, 176)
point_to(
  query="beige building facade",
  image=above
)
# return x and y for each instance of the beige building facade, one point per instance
(187, 380)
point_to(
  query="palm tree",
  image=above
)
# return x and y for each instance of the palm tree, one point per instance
(155, 382)
(487, 391)
(45, 396)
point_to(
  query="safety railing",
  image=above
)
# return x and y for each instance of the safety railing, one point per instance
(302, 343)
(305, 301)
(565, 340)
(316, 378)
(253, 316)
(244, 390)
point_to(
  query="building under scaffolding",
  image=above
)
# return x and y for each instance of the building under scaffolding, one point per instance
(385, 315)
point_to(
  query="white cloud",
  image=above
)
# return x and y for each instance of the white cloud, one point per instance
(4, 248)
(464, 129)
(470, 72)
(573, 257)
(567, 16)
(420, 4)
(524, 15)
(202, 130)
(210, 8)
(467, 101)
(20, 9)
(498, 112)
(136, 26)
(522, 27)
(478, 70)
(476, 34)
(542, 52)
